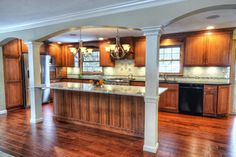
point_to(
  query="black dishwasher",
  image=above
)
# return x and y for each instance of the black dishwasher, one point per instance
(191, 99)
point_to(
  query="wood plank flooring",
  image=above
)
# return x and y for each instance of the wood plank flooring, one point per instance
(179, 136)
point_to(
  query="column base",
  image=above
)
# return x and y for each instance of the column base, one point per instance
(34, 121)
(3, 112)
(150, 148)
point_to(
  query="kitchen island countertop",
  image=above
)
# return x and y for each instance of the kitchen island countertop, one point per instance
(106, 89)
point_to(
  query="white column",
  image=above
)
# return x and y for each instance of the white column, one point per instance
(35, 81)
(2, 85)
(152, 84)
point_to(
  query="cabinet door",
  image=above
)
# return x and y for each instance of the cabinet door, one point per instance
(210, 100)
(223, 99)
(55, 51)
(67, 57)
(218, 49)
(195, 51)
(105, 59)
(169, 100)
(140, 52)
(13, 82)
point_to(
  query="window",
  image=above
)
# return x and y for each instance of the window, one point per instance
(91, 63)
(170, 59)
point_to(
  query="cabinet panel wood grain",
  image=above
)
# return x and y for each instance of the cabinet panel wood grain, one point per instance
(210, 100)
(66, 56)
(55, 51)
(170, 99)
(137, 83)
(105, 59)
(140, 52)
(195, 50)
(12, 74)
(218, 49)
(12, 49)
(223, 99)
(120, 114)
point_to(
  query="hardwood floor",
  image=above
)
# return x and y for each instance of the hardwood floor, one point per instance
(179, 136)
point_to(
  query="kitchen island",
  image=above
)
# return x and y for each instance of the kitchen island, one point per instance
(113, 108)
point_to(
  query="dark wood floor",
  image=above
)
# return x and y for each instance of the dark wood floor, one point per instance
(179, 136)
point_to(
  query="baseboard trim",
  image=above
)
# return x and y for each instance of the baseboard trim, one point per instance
(150, 148)
(34, 121)
(3, 112)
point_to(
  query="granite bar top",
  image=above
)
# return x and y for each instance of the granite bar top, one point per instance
(105, 89)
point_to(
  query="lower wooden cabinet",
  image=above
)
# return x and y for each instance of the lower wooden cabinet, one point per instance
(169, 100)
(137, 83)
(216, 100)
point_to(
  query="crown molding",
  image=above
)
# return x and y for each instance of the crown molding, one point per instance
(110, 9)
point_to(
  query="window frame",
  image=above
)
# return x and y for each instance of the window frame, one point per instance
(90, 73)
(175, 44)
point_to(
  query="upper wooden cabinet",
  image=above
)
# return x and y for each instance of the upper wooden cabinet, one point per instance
(140, 52)
(208, 50)
(55, 51)
(12, 48)
(216, 100)
(218, 49)
(105, 59)
(67, 58)
(195, 51)
(169, 100)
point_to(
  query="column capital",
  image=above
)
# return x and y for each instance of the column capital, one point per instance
(34, 43)
(154, 30)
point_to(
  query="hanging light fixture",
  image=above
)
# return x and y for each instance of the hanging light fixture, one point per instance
(80, 49)
(118, 51)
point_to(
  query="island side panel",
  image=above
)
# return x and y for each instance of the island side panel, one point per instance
(116, 113)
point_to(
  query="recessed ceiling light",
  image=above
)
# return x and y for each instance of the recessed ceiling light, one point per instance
(210, 27)
(100, 38)
(212, 17)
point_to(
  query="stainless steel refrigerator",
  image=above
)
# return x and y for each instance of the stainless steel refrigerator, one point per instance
(45, 78)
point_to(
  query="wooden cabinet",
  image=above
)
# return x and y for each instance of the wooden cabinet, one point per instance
(195, 49)
(67, 58)
(12, 49)
(210, 100)
(208, 50)
(55, 51)
(137, 83)
(223, 99)
(12, 74)
(169, 100)
(140, 52)
(105, 59)
(216, 100)
(218, 49)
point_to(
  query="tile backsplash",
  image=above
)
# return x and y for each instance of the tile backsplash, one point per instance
(126, 67)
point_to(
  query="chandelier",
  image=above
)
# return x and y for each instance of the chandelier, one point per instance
(80, 49)
(118, 51)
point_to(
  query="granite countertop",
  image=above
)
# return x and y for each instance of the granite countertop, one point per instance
(107, 89)
(207, 82)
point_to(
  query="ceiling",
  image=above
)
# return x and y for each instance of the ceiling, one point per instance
(91, 34)
(195, 22)
(200, 22)
(15, 13)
